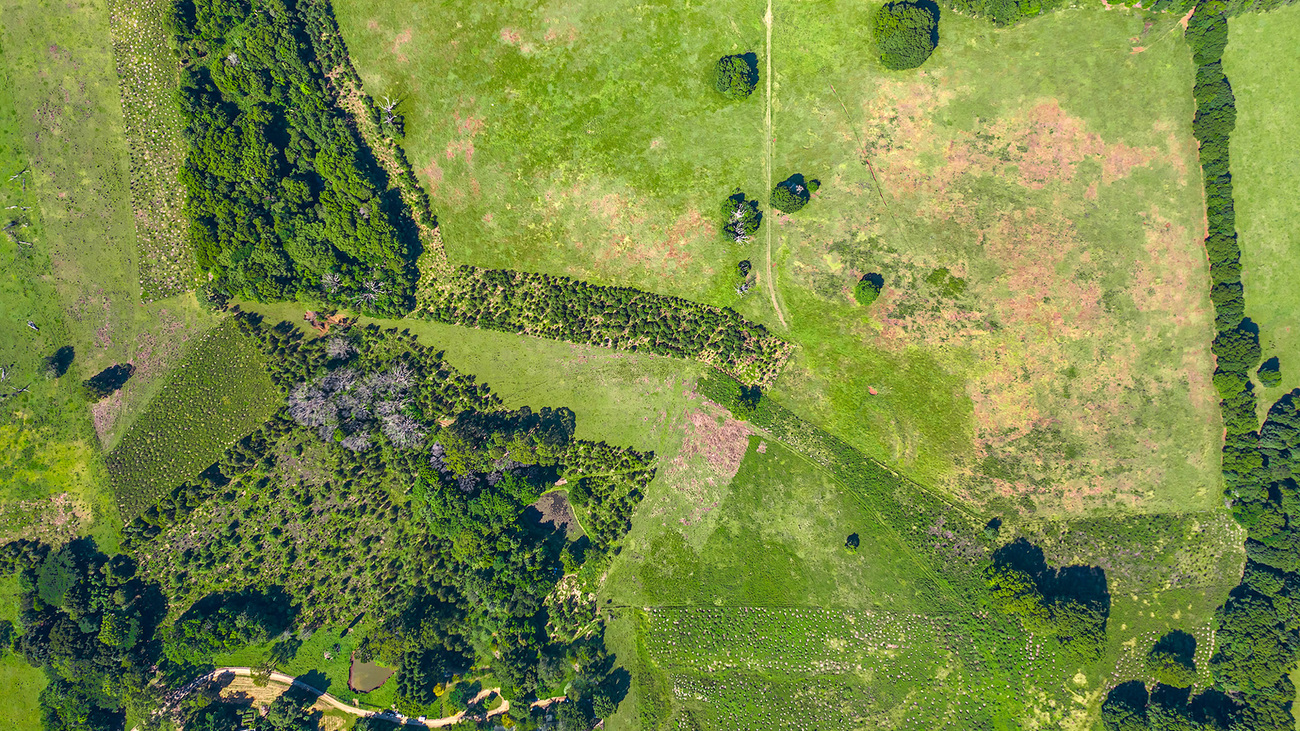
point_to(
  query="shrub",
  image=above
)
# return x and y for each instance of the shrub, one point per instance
(868, 289)
(56, 365)
(104, 383)
(1270, 373)
(740, 217)
(736, 76)
(906, 33)
(793, 193)
(743, 268)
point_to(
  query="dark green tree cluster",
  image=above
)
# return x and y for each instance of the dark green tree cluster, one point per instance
(868, 289)
(736, 76)
(793, 193)
(88, 622)
(103, 384)
(55, 365)
(905, 33)
(1071, 604)
(1270, 372)
(283, 197)
(740, 218)
(1129, 707)
(559, 308)
(224, 622)
(1172, 660)
(1003, 12)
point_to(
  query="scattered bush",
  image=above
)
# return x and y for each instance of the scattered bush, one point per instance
(868, 289)
(104, 383)
(793, 193)
(736, 76)
(906, 33)
(1270, 373)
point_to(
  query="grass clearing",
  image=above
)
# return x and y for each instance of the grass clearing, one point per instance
(20, 683)
(1265, 170)
(1042, 337)
(772, 534)
(573, 138)
(1039, 346)
(219, 393)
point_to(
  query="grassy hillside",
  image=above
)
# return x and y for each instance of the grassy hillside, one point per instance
(1266, 172)
(1031, 205)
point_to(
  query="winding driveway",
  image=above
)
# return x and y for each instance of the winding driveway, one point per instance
(336, 704)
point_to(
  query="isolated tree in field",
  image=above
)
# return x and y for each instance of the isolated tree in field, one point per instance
(906, 33)
(740, 217)
(793, 193)
(868, 289)
(743, 268)
(736, 76)
(57, 364)
(100, 385)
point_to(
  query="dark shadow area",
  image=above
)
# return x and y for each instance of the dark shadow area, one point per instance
(316, 679)
(852, 542)
(107, 381)
(57, 364)
(1180, 644)
(878, 281)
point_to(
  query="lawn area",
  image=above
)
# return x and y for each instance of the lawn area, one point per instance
(1265, 174)
(1032, 205)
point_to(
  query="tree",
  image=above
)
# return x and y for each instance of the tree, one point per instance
(736, 76)
(868, 289)
(57, 364)
(740, 217)
(1171, 660)
(743, 268)
(906, 33)
(104, 383)
(793, 193)
(1270, 373)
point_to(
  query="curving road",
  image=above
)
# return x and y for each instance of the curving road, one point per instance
(339, 705)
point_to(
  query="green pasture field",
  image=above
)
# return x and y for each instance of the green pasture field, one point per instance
(47, 445)
(1033, 205)
(61, 67)
(219, 393)
(573, 138)
(20, 683)
(1030, 197)
(775, 534)
(1265, 171)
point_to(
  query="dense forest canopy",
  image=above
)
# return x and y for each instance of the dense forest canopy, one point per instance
(283, 196)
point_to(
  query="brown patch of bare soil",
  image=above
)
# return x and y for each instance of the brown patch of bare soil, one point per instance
(711, 453)
(556, 510)
(53, 520)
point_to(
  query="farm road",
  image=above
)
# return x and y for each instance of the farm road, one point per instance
(335, 703)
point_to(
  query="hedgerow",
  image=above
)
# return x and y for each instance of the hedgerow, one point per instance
(621, 318)
(216, 395)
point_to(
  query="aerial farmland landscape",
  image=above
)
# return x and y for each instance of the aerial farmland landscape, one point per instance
(649, 366)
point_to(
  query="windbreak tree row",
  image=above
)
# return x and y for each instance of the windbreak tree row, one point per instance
(1258, 638)
(622, 318)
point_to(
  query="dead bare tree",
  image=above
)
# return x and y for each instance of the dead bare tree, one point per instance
(389, 109)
